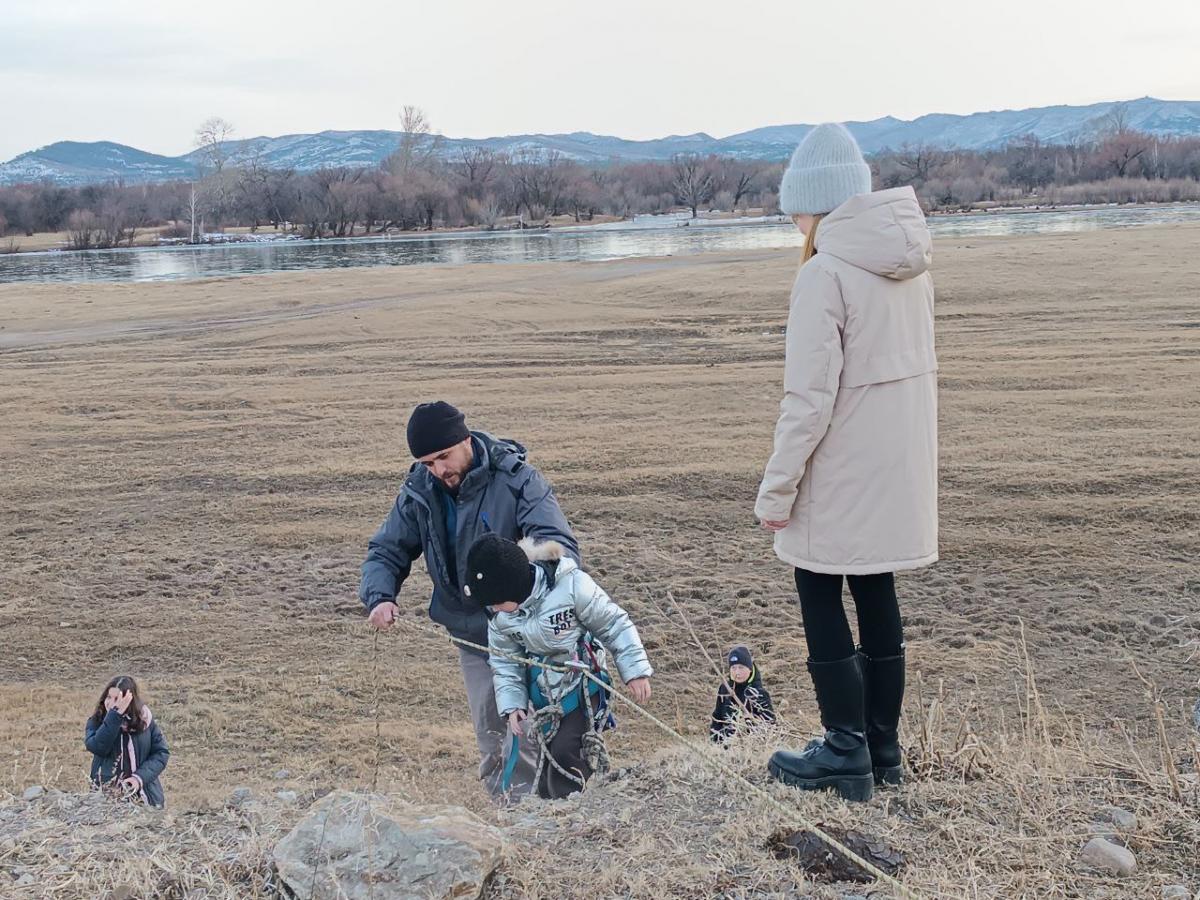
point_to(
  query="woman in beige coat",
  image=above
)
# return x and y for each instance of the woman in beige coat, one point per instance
(851, 488)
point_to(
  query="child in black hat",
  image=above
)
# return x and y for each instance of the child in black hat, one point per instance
(542, 606)
(742, 691)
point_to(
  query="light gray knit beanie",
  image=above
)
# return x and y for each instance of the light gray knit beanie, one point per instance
(826, 170)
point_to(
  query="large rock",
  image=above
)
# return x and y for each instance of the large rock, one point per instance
(369, 847)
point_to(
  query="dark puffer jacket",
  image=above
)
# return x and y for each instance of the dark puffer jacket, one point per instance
(751, 695)
(502, 493)
(106, 742)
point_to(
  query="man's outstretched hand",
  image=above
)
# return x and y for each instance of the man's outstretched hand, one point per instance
(383, 616)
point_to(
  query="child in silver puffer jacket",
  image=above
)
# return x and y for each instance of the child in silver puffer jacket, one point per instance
(542, 606)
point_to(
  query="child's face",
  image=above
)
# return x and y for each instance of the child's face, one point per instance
(739, 673)
(510, 606)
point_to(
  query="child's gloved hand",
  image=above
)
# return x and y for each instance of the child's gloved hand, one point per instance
(516, 721)
(639, 689)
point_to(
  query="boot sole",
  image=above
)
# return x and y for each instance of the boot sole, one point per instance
(856, 788)
(889, 775)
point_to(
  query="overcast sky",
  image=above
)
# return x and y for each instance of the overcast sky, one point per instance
(147, 73)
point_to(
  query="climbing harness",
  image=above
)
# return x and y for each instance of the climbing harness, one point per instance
(551, 706)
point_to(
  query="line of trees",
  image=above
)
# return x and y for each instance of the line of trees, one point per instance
(421, 186)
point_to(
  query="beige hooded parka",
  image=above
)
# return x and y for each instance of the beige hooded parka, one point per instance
(854, 469)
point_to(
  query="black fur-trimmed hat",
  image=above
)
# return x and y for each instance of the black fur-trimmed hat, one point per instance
(498, 571)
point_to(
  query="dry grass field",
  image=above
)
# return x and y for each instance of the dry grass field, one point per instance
(190, 472)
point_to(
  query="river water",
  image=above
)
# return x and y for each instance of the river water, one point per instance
(643, 236)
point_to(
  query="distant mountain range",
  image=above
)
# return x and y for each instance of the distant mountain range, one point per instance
(72, 162)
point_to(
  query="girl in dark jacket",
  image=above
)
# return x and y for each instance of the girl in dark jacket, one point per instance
(128, 748)
(747, 694)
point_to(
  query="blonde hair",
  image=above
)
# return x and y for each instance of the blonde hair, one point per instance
(810, 240)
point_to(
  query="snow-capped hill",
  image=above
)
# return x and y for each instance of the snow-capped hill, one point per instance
(75, 162)
(70, 162)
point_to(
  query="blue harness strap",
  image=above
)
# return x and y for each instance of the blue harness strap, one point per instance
(604, 719)
(514, 753)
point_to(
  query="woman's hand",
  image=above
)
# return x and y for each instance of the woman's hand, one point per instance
(123, 702)
(769, 525)
(516, 720)
(131, 785)
(639, 688)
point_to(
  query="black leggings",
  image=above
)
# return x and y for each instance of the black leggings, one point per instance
(825, 627)
(567, 749)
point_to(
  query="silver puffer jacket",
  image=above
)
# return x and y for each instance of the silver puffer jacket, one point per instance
(549, 624)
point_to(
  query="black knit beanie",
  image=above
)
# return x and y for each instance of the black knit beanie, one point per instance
(498, 571)
(433, 427)
(740, 656)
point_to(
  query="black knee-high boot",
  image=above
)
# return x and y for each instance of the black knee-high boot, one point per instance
(883, 682)
(840, 760)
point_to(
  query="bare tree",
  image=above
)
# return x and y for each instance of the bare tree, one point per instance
(485, 212)
(418, 144)
(539, 181)
(1116, 120)
(211, 138)
(1120, 150)
(918, 160)
(261, 190)
(117, 222)
(82, 229)
(742, 187)
(477, 166)
(693, 183)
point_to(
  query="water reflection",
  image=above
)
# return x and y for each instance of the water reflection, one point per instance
(182, 263)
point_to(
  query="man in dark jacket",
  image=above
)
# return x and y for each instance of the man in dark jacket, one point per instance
(463, 484)
(747, 694)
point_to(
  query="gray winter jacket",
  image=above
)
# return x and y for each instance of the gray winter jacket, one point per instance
(549, 625)
(502, 493)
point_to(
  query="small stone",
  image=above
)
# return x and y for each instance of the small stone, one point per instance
(1176, 892)
(1123, 819)
(32, 793)
(288, 797)
(240, 796)
(25, 880)
(283, 775)
(1100, 854)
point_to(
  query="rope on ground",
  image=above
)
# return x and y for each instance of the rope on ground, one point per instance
(704, 754)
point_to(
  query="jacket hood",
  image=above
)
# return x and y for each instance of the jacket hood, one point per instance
(883, 232)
